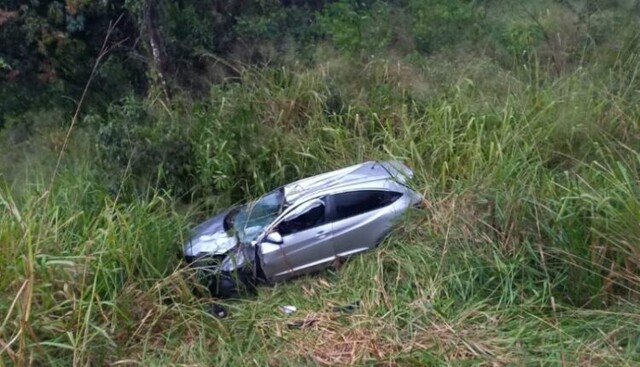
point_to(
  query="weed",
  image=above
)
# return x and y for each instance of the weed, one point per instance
(525, 253)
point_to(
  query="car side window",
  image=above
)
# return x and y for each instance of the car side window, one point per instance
(307, 220)
(349, 204)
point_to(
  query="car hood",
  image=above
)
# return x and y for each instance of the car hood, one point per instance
(210, 238)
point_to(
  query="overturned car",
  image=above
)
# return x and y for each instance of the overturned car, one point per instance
(301, 227)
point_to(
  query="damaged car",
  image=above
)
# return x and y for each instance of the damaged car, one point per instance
(301, 227)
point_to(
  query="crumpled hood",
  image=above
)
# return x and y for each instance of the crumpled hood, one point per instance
(209, 238)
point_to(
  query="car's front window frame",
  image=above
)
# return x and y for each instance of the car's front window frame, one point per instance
(286, 216)
(262, 221)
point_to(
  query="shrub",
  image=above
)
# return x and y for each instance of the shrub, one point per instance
(357, 28)
(437, 23)
(138, 140)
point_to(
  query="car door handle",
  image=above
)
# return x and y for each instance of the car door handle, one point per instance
(321, 234)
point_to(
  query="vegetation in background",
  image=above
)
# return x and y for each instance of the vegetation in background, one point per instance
(519, 120)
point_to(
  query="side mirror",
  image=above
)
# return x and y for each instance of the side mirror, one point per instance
(274, 237)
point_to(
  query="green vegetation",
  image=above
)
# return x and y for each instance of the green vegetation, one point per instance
(520, 121)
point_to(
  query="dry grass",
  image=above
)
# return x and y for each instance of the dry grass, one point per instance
(334, 339)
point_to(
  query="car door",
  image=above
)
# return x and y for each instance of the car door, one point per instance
(361, 218)
(306, 243)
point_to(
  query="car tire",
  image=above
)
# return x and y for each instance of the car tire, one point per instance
(232, 285)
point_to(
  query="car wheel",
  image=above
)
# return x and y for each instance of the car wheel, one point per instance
(232, 285)
(223, 286)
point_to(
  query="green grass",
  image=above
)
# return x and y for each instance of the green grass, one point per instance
(526, 253)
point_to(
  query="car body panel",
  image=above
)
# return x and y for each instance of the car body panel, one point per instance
(351, 177)
(209, 238)
(303, 251)
(300, 253)
(361, 232)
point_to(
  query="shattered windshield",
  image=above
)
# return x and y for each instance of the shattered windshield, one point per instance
(252, 218)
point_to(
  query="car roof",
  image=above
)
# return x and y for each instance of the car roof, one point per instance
(356, 175)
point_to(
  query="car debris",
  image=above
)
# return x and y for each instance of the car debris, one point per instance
(288, 309)
(348, 308)
(302, 324)
(218, 310)
(301, 227)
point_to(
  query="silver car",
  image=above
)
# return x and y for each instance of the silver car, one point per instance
(301, 227)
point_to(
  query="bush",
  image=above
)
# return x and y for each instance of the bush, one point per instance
(357, 28)
(138, 140)
(437, 23)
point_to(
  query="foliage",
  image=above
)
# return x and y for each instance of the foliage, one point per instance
(438, 23)
(355, 28)
(274, 126)
(530, 223)
(149, 146)
(525, 252)
(54, 47)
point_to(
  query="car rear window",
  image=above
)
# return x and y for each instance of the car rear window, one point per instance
(354, 203)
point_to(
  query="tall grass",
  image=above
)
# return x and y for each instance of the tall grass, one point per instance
(526, 252)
